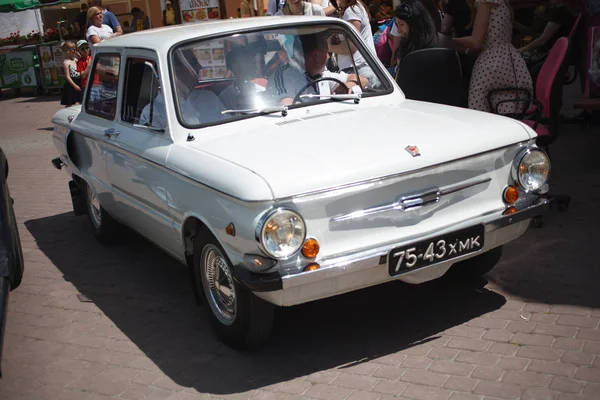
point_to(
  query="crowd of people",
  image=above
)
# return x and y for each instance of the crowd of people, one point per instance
(480, 31)
(100, 25)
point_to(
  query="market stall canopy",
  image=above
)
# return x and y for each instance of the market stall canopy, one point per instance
(23, 21)
(19, 5)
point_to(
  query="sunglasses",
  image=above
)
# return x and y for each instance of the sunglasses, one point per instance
(70, 49)
(84, 48)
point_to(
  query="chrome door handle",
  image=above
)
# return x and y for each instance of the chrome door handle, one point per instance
(110, 133)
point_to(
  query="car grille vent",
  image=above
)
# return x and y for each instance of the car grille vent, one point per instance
(316, 116)
(344, 111)
(287, 122)
(292, 121)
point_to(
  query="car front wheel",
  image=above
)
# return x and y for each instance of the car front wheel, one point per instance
(241, 319)
(478, 265)
(105, 228)
(16, 255)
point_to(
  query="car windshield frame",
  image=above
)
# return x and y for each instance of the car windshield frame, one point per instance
(339, 26)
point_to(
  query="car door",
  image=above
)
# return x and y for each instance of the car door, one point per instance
(90, 128)
(138, 149)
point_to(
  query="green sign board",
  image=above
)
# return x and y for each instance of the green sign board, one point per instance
(18, 5)
(17, 70)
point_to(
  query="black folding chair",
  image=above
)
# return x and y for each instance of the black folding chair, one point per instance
(432, 75)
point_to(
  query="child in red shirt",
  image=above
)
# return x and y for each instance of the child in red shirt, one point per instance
(84, 62)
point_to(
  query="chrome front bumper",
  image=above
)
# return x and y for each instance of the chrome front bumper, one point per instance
(369, 267)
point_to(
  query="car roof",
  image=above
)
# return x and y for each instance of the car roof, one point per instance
(162, 39)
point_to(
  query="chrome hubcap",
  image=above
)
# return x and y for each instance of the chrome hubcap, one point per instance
(218, 284)
(94, 206)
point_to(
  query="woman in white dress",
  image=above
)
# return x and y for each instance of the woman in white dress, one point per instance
(499, 64)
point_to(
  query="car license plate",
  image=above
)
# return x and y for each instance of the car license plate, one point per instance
(436, 250)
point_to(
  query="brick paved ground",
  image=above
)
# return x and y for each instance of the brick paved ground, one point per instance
(531, 331)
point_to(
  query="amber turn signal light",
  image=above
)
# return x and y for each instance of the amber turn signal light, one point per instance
(511, 194)
(311, 248)
(510, 210)
(312, 267)
(230, 230)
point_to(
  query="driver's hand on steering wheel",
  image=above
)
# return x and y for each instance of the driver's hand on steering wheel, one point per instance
(350, 85)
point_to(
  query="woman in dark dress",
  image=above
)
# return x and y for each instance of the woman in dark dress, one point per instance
(416, 30)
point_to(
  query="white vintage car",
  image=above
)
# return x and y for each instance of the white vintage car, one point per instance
(277, 181)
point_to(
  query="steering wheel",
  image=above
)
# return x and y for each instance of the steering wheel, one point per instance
(297, 97)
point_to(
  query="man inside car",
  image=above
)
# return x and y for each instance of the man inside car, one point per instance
(288, 81)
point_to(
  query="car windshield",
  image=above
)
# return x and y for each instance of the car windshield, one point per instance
(249, 74)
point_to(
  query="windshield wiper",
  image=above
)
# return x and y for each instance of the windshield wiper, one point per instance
(265, 110)
(351, 96)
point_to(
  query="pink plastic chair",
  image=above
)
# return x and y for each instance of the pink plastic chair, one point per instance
(570, 78)
(549, 93)
(575, 26)
(542, 112)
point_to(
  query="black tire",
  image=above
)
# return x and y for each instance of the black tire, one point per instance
(5, 288)
(16, 275)
(247, 322)
(105, 228)
(478, 265)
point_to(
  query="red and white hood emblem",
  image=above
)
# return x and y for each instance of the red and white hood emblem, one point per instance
(413, 150)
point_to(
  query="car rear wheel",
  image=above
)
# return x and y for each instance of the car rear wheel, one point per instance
(478, 265)
(4, 289)
(241, 319)
(104, 227)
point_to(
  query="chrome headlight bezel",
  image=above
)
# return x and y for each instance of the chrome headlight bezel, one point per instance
(260, 232)
(517, 164)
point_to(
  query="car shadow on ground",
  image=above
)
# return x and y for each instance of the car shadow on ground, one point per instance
(40, 99)
(147, 295)
(557, 263)
(28, 96)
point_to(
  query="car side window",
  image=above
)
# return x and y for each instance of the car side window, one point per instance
(143, 101)
(102, 95)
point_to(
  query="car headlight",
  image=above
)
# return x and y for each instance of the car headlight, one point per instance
(281, 233)
(531, 169)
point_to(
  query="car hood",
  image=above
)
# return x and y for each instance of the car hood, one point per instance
(307, 152)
